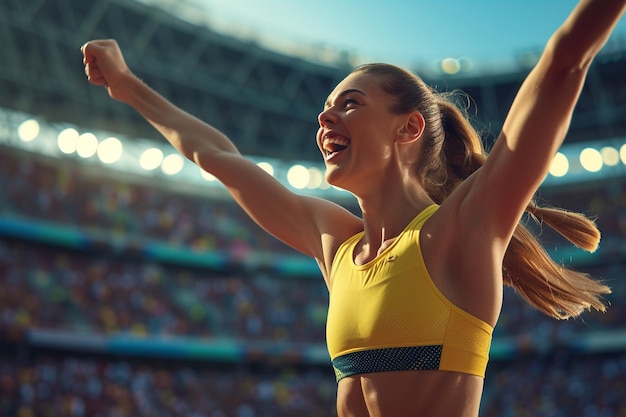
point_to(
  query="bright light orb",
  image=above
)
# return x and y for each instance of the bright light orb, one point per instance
(110, 150)
(298, 176)
(450, 66)
(610, 156)
(151, 159)
(267, 167)
(68, 140)
(591, 159)
(172, 164)
(622, 154)
(559, 166)
(28, 130)
(316, 178)
(87, 145)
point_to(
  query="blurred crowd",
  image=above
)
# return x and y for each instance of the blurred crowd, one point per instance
(558, 385)
(65, 386)
(50, 385)
(76, 195)
(47, 287)
(54, 287)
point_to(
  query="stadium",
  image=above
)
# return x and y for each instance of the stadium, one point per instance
(132, 285)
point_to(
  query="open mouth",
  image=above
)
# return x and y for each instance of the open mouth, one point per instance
(334, 145)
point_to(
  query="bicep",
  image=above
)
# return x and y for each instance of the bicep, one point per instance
(532, 133)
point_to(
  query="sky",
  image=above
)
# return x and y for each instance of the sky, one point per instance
(403, 32)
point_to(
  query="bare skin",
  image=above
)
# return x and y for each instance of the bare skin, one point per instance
(376, 167)
(424, 393)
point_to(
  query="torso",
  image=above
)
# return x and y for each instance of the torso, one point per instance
(434, 393)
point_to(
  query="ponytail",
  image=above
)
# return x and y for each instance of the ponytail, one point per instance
(550, 287)
(461, 150)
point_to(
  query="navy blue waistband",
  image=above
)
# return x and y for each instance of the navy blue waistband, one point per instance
(413, 358)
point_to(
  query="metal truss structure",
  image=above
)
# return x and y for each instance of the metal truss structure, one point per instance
(266, 101)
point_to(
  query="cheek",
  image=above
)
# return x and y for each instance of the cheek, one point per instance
(318, 138)
(380, 144)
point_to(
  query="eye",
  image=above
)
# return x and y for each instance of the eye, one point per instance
(349, 102)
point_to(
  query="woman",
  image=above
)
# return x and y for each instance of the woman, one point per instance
(416, 283)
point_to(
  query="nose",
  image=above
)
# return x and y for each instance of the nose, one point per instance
(326, 117)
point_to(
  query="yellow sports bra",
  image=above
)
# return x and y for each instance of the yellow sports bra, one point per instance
(388, 315)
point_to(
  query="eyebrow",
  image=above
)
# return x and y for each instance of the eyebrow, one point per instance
(343, 94)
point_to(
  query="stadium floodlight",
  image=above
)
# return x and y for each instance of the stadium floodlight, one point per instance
(110, 150)
(559, 166)
(28, 130)
(267, 167)
(450, 66)
(316, 178)
(67, 140)
(575, 162)
(207, 176)
(610, 156)
(453, 66)
(172, 164)
(87, 145)
(298, 176)
(591, 159)
(151, 159)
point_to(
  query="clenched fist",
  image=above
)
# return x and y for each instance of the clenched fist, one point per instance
(105, 66)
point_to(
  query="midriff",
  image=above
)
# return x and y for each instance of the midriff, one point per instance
(409, 394)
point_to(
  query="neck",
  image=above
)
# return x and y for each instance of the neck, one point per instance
(388, 210)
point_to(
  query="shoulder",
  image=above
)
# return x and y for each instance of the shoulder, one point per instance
(336, 225)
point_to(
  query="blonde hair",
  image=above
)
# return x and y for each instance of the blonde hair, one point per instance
(452, 150)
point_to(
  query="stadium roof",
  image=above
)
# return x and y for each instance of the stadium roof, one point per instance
(265, 100)
(491, 34)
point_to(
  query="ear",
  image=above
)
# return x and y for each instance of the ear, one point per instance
(412, 128)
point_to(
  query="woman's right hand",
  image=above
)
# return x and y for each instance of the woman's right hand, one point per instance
(105, 66)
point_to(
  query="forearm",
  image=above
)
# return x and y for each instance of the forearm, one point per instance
(188, 134)
(540, 115)
(586, 30)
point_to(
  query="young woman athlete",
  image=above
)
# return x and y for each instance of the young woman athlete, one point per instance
(415, 282)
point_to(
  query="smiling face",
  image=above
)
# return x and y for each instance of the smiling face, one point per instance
(357, 131)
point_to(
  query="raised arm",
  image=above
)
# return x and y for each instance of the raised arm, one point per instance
(298, 221)
(540, 115)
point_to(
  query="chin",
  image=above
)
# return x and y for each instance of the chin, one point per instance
(333, 179)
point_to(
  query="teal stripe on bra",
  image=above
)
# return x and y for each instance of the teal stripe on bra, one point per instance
(413, 358)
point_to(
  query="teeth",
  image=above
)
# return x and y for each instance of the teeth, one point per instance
(335, 143)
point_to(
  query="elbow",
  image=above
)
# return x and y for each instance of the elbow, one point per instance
(565, 57)
(573, 51)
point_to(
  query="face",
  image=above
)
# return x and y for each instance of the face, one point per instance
(357, 131)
